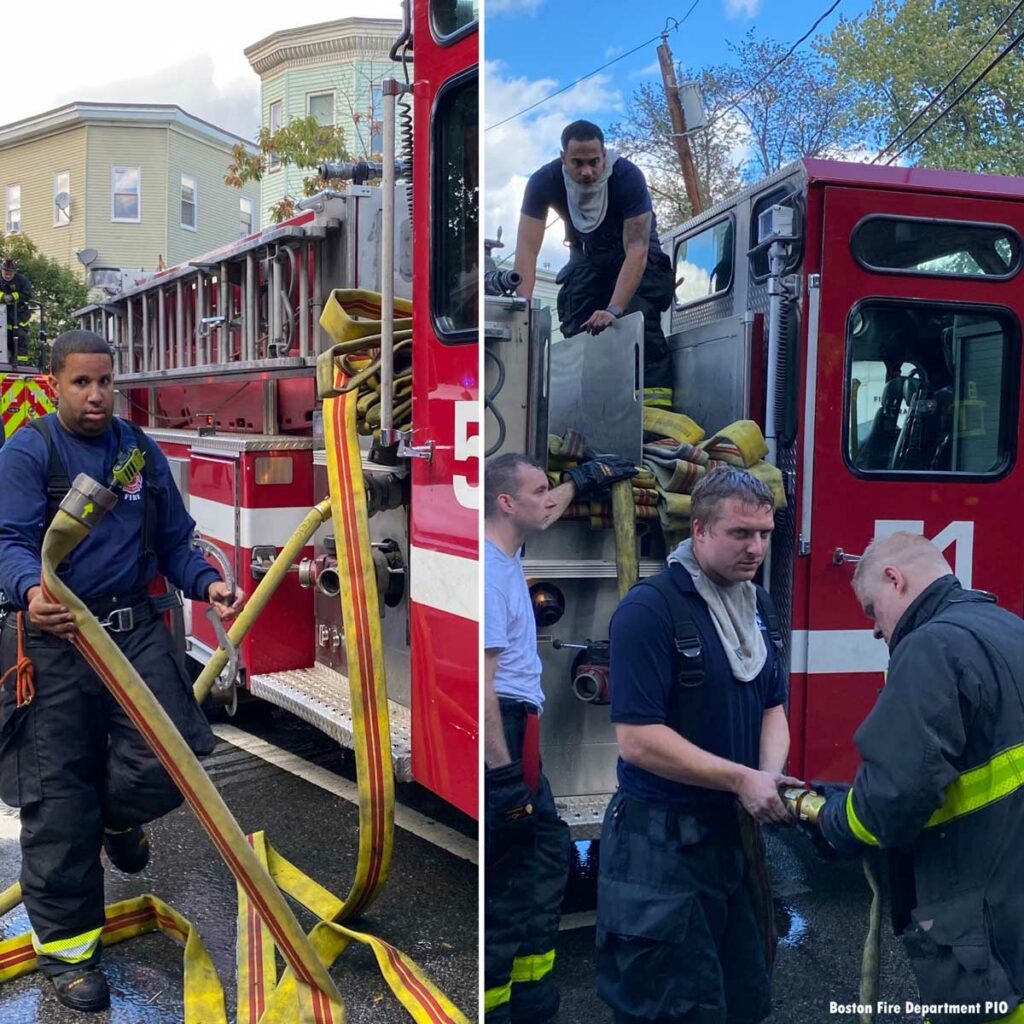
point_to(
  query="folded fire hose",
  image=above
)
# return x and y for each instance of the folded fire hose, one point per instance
(305, 992)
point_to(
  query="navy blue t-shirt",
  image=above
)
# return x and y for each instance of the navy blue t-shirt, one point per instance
(627, 197)
(107, 562)
(644, 690)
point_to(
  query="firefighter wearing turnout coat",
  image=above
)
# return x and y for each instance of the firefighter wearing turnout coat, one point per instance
(16, 294)
(941, 786)
(70, 758)
(698, 703)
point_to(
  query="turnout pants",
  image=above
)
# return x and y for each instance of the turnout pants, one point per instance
(523, 888)
(74, 764)
(587, 283)
(677, 940)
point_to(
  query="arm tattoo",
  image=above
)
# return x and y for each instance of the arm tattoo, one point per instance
(635, 230)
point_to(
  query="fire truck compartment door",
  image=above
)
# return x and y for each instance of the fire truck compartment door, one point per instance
(596, 385)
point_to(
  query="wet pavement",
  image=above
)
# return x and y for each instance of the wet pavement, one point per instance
(428, 908)
(822, 916)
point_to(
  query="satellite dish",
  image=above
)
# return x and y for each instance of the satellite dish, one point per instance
(62, 201)
(87, 256)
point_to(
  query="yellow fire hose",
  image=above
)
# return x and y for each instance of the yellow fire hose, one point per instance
(305, 992)
(627, 568)
(806, 804)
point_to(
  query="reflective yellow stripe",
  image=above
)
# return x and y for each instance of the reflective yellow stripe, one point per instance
(856, 826)
(72, 950)
(533, 967)
(495, 997)
(982, 786)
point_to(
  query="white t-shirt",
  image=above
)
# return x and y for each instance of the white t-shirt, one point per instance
(509, 627)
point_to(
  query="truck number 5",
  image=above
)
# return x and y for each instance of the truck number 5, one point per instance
(466, 447)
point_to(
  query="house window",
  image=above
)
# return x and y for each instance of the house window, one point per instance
(276, 112)
(244, 217)
(127, 190)
(61, 199)
(188, 202)
(376, 120)
(12, 222)
(321, 106)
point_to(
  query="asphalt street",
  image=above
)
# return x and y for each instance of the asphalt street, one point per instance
(428, 908)
(821, 911)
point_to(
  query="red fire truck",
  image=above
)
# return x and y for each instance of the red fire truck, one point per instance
(869, 319)
(216, 360)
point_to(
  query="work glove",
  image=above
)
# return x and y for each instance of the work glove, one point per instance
(8, 297)
(596, 476)
(510, 809)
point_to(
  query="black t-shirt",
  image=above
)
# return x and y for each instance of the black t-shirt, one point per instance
(644, 685)
(627, 197)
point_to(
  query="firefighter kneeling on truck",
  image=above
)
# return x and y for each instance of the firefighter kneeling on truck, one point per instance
(16, 294)
(70, 758)
(526, 852)
(941, 783)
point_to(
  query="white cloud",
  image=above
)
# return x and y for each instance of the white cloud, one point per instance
(741, 8)
(513, 151)
(191, 84)
(612, 51)
(654, 68)
(512, 6)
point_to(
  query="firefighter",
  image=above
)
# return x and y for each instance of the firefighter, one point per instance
(698, 696)
(70, 758)
(526, 843)
(616, 264)
(940, 786)
(16, 293)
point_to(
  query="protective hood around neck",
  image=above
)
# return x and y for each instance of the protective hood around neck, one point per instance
(733, 611)
(588, 204)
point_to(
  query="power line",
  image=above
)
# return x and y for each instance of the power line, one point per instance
(590, 74)
(999, 57)
(931, 103)
(782, 60)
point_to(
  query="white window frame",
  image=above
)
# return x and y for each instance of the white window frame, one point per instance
(195, 202)
(61, 219)
(8, 223)
(323, 92)
(113, 175)
(241, 213)
(275, 164)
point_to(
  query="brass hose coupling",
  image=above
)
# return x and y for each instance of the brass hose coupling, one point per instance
(805, 804)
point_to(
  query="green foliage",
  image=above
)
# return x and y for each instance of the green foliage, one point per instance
(899, 54)
(303, 143)
(58, 289)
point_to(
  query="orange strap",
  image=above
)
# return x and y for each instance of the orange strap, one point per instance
(23, 669)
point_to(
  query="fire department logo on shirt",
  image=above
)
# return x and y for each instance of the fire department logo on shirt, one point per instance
(133, 491)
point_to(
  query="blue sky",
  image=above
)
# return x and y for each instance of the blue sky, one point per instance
(534, 47)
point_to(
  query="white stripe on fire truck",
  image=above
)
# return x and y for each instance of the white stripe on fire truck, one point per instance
(255, 525)
(837, 651)
(449, 583)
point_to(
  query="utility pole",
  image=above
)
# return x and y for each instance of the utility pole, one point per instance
(675, 109)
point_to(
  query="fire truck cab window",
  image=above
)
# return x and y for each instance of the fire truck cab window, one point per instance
(930, 389)
(456, 211)
(901, 245)
(704, 263)
(450, 16)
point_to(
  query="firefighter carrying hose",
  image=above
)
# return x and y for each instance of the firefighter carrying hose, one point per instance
(526, 843)
(70, 759)
(941, 786)
(16, 294)
(616, 263)
(698, 702)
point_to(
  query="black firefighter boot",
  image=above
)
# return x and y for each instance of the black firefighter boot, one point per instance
(83, 990)
(128, 849)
